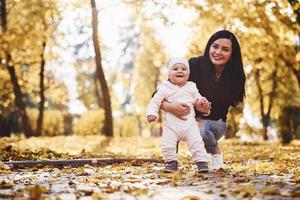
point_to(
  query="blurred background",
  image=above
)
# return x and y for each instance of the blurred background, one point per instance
(86, 67)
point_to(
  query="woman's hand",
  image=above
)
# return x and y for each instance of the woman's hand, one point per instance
(203, 106)
(180, 110)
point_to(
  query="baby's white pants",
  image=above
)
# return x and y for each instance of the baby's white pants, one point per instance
(191, 135)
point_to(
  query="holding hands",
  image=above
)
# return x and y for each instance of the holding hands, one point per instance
(181, 109)
(203, 105)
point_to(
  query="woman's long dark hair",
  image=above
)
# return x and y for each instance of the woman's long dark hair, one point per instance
(234, 68)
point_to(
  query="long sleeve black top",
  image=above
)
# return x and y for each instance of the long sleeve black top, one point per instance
(219, 93)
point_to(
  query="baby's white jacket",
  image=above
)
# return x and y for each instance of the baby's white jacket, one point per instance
(187, 94)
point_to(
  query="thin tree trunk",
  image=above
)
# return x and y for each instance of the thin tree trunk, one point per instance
(108, 121)
(16, 87)
(39, 124)
(5, 126)
(297, 12)
(297, 74)
(261, 100)
(97, 93)
(19, 101)
(265, 117)
(3, 15)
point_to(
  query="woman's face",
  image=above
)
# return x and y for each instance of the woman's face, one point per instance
(220, 52)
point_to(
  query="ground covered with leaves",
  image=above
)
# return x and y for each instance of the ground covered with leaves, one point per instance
(260, 170)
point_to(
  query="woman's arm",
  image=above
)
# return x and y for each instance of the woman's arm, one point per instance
(178, 109)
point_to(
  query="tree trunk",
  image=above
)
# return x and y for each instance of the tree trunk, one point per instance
(16, 87)
(262, 108)
(39, 124)
(5, 126)
(19, 101)
(5, 130)
(297, 74)
(108, 121)
(265, 117)
(296, 10)
(3, 15)
(265, 122)
(97, 93)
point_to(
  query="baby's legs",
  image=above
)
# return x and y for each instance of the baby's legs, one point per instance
(196, 144)
(168, 144)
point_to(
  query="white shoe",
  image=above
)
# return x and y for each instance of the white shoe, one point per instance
(217, 161)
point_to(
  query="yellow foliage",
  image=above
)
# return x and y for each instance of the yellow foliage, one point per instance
(128, 126)
(53, 121)
(269, 25)
(148, 63)
(90, 122)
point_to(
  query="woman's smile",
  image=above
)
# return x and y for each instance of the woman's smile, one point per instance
(220, 52)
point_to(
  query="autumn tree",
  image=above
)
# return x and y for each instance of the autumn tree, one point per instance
(149, 62)
(129, 46)
(8, 111)
(289, 123)
(89, 90)
(49, 16)
(88, 87)
(13, 40)
(26, 40)
(268, 33)
(108, 121)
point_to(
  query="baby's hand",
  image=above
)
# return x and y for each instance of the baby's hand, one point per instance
(206, 103)
(203, 105)
(151, 118)
(201, 102)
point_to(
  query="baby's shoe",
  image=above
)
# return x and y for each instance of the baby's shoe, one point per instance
(202, 167)
(171, 166)
(217, 161)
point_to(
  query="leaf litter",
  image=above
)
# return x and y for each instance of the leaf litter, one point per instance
(260, 170)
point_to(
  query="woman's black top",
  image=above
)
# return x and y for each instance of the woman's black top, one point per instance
(219, 93)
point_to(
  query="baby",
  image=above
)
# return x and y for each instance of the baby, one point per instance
(178, 89)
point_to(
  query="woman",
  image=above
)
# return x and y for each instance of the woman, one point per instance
(220, 77)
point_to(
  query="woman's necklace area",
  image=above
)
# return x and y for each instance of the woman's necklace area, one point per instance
(218, 75)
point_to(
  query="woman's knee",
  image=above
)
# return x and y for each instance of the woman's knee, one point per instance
(210, 142)
(219, 129)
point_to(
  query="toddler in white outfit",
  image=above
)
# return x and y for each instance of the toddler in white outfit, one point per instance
(178, 89)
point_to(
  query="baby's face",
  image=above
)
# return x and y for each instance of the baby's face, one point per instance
(179, 74)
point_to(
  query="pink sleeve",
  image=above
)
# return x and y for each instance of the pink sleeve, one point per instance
(194, 91)
(155, 102)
